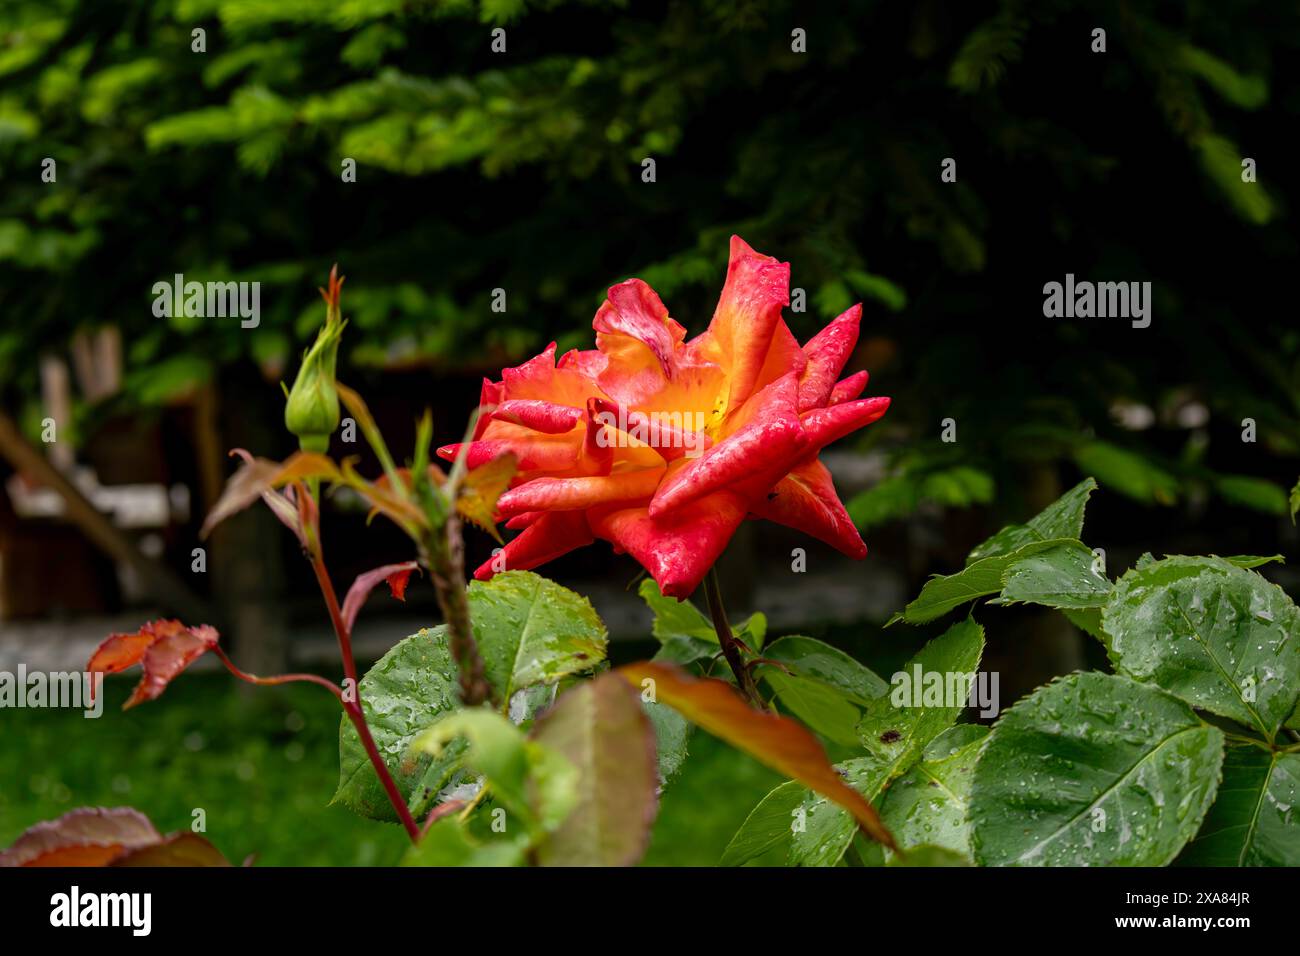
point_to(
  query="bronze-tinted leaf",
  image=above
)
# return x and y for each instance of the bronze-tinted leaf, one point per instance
(395, 574)
(113, 836)
(778, 742)
(477, 498)
(164, 648)
(87, 836)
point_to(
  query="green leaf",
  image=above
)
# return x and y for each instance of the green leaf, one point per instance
(1221, 160)
(673, 618)
(1087, 620)
(673, 731)
(1293, 501)
(532, 781)
(1252, 822)
(1063, 518)
(414, 683)
(1093, 770)
(1254, 493)
(768, 825)
(821, 831)
(1249, 561)
(900, 495)
(677, 621)
(945, 593)
(821, 685)
(925, 699)
(1246, 90)
(1127, 472)
(930, 856)
(533, 631)
(1065, 576)
(599, 727)
(448, 843)
(928, 804)
(1220, 637)
(672, 738)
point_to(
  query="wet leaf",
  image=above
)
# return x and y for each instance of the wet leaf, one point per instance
(1093, 770)
(821, 685)
(981, 578)
(409, 687)
(1063, 518)
(1220, 637)
(1253, 820)
(534, 782)
(926, 697)
(533, 631)
(928, 804)
(768, 825)
(1065, 576)
(529, 630)
(822, 831)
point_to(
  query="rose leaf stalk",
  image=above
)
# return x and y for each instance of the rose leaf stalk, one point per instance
(730, 645)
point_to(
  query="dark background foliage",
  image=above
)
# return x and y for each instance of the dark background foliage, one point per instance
(522, 171)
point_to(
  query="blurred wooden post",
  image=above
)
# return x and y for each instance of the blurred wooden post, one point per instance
(163, 585)
(248, 576)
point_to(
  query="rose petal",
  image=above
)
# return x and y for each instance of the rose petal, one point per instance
(763, 449)
(806, 500)
(677, 549)
(546, 417)
(569, 494)
(756, 290)
(846, 390)
(825, 425)
(550, 536)
(827, 352)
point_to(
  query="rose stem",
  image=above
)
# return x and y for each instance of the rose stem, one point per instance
(353, 707)
(730, 646)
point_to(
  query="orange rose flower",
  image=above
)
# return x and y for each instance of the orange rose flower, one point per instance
(663, 446)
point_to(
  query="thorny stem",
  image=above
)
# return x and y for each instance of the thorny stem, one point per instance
(352, 707)
(730, 646)
(329, 685)
(444, 555)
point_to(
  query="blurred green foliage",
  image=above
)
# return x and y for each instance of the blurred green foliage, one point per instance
(521, 170)
(263, 770)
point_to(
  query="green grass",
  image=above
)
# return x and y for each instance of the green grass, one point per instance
(262, 766)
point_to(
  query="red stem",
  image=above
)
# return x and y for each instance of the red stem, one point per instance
(329, 685)
(353, 708)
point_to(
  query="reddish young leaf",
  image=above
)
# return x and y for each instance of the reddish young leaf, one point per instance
(395, 574)
(178, 849)
(778, 742)
(397, 582)
(116, 836)
(87, 836)
(164, 648)
(259, 477)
